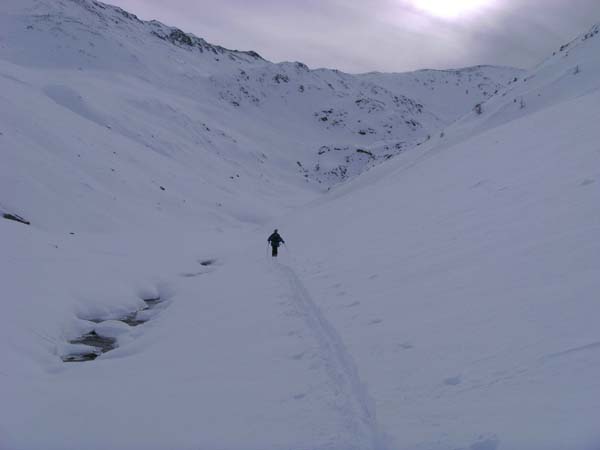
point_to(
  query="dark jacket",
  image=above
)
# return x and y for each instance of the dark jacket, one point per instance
(275, 240)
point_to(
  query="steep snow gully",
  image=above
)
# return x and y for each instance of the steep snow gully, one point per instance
(352, 397)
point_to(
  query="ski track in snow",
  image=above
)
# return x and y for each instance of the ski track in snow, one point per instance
(352, 397)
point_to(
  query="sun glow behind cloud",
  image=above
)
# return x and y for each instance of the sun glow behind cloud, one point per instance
(450, 9)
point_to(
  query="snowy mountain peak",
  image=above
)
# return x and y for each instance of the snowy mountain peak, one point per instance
(591, 34)
(106, 12)
(100, 35)
(242, 125)
(569, 73)
(188, 40)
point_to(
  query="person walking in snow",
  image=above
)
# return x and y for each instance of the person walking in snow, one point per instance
(275, 240)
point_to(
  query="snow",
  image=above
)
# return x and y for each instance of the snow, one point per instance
(442, 297)
(457, 304)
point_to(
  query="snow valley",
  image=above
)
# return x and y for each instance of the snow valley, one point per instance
(438, 287)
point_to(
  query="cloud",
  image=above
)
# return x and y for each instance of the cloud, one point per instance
(383, 35)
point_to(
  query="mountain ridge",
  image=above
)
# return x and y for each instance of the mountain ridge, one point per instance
(147, 87)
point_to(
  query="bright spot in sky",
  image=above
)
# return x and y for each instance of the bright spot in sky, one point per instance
(449, 9)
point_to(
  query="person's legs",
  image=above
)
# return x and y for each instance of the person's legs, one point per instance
(274, 251)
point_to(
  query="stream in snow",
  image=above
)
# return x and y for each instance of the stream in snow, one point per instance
(91, 345)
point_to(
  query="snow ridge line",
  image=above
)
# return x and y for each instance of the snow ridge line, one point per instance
(340, 364)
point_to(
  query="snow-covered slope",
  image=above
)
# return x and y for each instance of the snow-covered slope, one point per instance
(141, 105)
(463, 281)
(571, 72)
(462, 276)
(443, 300)
(450, 93)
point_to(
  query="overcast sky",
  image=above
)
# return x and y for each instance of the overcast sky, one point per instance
(381, 35)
